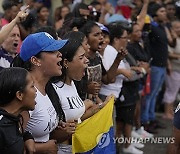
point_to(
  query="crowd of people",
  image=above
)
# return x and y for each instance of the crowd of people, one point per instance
(59, 68)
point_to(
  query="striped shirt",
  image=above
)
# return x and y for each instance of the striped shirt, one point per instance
(5, 59)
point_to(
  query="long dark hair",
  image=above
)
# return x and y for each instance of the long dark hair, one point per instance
(11, 81)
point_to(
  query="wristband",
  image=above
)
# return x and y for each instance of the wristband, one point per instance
(27, 135)
(100, 105)
(143, 70)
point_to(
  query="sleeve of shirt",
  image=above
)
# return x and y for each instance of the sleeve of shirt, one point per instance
(108, 58)
(27, 135)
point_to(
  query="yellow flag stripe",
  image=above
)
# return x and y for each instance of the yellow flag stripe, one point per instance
(86, 134)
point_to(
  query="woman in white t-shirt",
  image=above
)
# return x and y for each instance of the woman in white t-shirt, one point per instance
(40, 56)
(75, 64)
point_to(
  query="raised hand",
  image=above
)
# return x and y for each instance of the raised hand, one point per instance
(21, 16)
(122, 53)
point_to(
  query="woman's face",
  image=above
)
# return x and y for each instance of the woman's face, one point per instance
(29, 94)
(106, 38)
(85, 45)
(95, 39)
(50, 63)
(123, 40)
(64, 11)
(106, 41)
(161, 14)
(76, 68)
(136, 33)
(44, 13)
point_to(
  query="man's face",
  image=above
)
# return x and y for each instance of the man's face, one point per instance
(171, 10)
(161, 14)
(12, 41)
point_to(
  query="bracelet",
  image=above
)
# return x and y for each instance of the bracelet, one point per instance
(143, 70)
(100, 105)
(27, 135)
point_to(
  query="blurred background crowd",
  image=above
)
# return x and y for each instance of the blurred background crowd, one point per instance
(147, 79)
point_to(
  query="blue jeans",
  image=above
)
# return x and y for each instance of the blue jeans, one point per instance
(148, 109)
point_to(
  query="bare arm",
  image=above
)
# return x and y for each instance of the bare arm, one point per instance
(64, 131)
(49, 147)
(7, 29)
(171, 37)
(91, 109)
(142, 14)
(174, 56)
(95, 107)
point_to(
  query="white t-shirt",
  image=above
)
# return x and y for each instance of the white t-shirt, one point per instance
(43, 119)
(108, 58)
(71, 103)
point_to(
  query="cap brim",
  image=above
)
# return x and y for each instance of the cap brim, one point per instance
(58, 44)
(105, 29)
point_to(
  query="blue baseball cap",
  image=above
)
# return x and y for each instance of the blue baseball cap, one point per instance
(35, 43)
(115, 18)
(102, 27)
